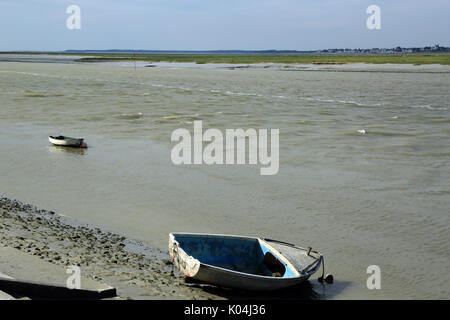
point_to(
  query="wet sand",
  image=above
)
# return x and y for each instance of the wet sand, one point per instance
(136, 269)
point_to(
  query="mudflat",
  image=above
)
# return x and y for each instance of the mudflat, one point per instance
(137, 270)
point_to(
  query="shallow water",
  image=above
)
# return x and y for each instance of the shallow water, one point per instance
(376, 198)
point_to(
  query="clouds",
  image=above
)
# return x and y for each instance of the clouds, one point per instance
(220, 24)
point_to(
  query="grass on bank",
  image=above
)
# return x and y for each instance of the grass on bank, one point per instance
(412, 58)
(415, 59)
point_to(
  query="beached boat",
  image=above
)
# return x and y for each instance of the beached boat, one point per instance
(242, 262)
(67, 142)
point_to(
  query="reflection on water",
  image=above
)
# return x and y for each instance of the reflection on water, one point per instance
(58, 149)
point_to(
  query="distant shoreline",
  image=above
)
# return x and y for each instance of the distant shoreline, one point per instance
(185, 62)
(315, 59)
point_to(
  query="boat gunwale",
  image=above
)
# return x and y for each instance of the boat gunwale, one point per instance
(306, 275)
(64, 138)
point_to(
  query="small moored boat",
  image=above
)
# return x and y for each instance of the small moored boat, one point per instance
(242, 262)
(63, 141)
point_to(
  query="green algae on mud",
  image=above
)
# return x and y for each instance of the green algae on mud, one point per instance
(415, 59)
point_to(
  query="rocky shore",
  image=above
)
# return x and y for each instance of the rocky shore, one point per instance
(136, 269)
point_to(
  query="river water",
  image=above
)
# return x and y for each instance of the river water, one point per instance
(364, 160)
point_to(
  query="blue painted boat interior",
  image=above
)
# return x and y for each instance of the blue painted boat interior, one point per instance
(243, 255)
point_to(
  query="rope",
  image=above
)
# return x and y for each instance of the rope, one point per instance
(323, 270)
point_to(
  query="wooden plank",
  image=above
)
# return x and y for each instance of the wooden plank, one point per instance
(22, 274)
(5, 296)
(36, 290)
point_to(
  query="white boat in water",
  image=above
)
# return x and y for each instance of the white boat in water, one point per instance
(242, 262)
(67, 142)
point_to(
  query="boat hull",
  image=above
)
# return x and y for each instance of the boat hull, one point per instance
(226, 277)
(244, 281)
(67, 142)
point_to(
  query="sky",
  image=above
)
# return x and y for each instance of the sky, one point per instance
(40, 25)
